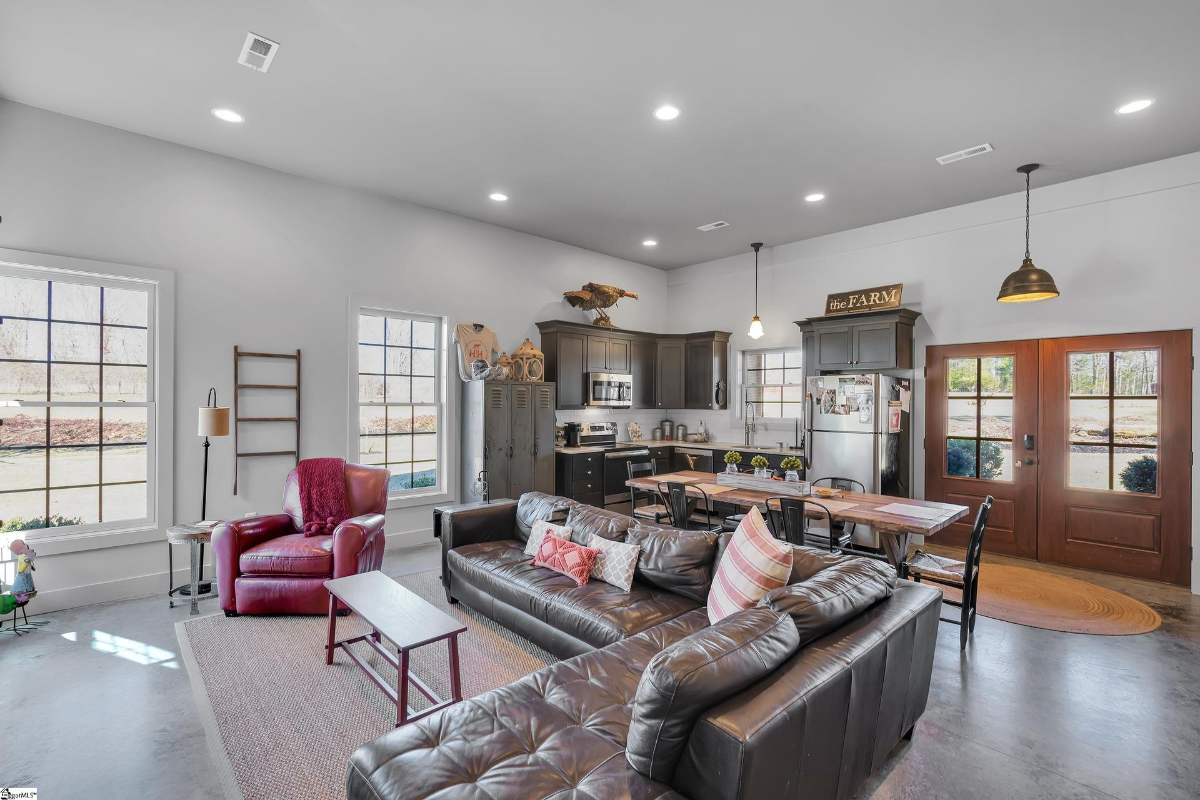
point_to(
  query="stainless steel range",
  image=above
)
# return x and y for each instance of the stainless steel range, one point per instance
(617, 455)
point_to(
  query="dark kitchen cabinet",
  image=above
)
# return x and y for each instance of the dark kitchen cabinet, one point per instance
(606, 354)
(580, 476)
(669, 373)
(641, 367)
(661, 456)
(566, 363)
(835, 345)
(707, 372)
(855, 342)
(875, 345)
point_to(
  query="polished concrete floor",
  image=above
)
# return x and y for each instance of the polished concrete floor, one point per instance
(96, 701)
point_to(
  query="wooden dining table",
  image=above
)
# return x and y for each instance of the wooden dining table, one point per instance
(895, 530)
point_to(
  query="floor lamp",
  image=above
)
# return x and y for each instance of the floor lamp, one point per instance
(214, 421)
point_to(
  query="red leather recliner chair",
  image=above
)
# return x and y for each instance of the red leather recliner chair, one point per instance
(266, 565)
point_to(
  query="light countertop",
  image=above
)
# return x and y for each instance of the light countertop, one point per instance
(717, 446)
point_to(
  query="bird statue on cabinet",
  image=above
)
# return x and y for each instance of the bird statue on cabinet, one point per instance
(597, 297)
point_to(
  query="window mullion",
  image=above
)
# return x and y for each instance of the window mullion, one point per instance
(49, 353)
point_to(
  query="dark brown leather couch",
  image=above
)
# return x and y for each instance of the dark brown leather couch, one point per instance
(809, 715)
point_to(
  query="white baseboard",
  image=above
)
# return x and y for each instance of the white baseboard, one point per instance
(107, 591)
(156, 582)
(412, 538)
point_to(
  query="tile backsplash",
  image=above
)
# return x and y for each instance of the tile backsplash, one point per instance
(722, 426)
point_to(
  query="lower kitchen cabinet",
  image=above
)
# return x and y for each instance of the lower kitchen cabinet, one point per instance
(580, 476)
(661, 456)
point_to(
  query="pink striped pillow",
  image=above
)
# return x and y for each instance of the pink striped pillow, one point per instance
(754, 563)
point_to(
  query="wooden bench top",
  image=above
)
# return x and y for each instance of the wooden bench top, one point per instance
(405, 619)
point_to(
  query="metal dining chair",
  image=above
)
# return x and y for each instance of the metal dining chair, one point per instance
(682, 514)
(962, 575)
(654, 510)
(844, 530)
(788, 520)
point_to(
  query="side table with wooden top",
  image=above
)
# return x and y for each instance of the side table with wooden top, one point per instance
(195, 536)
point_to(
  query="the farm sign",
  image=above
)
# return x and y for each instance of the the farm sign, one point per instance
(863, 300)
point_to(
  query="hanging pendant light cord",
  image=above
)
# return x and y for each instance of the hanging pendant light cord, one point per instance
(756, 280)
(1026, 215)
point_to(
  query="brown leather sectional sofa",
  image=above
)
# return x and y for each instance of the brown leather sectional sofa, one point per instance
(802, 697)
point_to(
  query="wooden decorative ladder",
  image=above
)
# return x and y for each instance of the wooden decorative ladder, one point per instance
(239, 420)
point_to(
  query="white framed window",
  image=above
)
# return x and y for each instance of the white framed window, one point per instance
(773, 384)
(399, 408)
(80, 399)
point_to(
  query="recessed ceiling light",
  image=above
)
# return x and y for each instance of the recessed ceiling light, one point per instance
(666, 112)
(498, 197)
(1136, 105)
(228, 115)
(649, 243)
(812, 198)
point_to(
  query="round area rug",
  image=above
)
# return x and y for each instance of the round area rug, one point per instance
(1057, 603)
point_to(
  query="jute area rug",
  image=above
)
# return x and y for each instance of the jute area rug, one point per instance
(1057, 603)
(282, 724)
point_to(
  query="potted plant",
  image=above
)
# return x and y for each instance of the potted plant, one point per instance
(732, 459)
(792, 466)
(759, 462)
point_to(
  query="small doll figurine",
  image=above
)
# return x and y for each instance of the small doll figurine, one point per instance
(22, 588)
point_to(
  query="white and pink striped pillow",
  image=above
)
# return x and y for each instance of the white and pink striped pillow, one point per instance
(754, 563)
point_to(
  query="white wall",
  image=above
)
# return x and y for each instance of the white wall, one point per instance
(266, 260)
(1122, 246)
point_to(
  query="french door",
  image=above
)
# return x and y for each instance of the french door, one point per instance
(1084, 442)
(981, 415)
(1116, 458)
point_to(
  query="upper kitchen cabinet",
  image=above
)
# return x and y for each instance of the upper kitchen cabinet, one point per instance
(642, 358)
(608, 354)
(707, 371)
(669, 374)
(856, 342)
(669, 370)
(566, 363)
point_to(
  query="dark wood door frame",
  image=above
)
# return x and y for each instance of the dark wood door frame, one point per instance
(1012, 526)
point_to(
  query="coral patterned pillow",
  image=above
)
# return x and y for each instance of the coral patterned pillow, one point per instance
(563, 555)
(754, 563)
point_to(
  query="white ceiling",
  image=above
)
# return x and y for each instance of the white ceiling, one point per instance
(442, 102)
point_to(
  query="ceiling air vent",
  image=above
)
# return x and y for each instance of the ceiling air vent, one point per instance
(978, 150)
(712, 226)
(258, 52)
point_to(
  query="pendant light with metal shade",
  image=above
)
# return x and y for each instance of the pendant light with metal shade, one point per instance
(756, 329)
(1028, 283)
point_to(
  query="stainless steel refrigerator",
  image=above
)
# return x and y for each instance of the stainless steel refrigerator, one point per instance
(858, 426)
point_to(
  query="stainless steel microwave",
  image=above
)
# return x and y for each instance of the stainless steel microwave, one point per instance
(608, 390)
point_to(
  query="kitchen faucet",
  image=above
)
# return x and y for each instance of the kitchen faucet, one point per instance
(750, 426)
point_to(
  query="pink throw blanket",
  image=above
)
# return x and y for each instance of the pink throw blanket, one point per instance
(323, 503)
